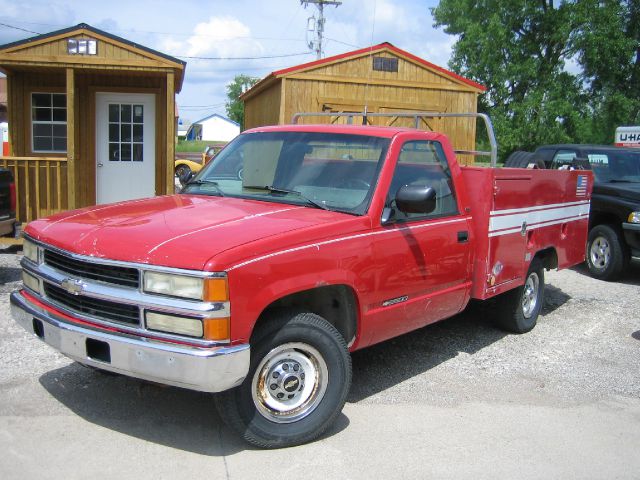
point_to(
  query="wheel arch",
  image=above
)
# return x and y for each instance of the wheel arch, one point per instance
(548, 257)
(337, 304)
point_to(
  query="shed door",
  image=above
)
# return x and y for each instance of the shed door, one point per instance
(125, 146)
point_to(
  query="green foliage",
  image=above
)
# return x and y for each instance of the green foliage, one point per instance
(186, 146)
(235, 106)
(563, 71)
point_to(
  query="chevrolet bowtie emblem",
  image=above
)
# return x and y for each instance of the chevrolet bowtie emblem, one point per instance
(74, 287)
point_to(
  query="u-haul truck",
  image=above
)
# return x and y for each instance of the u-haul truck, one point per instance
(628, 137)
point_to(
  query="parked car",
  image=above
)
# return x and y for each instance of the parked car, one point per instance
(614, 225)
(184, 166)
(7, 203)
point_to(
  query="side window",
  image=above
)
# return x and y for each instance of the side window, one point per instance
(563, 158)
(424, 163)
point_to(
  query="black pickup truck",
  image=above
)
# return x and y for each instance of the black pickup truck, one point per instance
(614, 219)
(7, 203)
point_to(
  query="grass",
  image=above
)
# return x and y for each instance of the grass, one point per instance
(191, 146)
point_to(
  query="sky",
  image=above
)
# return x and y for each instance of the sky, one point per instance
(247, 37)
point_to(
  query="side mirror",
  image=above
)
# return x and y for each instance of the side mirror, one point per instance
(416, 199)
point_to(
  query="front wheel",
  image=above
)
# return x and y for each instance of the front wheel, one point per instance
(519, 308)
(606, 254)
(297, 383)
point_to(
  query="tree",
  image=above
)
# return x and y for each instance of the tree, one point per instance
(548, 66)
(235, 106)
(607, 46)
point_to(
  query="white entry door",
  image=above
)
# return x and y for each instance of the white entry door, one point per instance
(125, 146)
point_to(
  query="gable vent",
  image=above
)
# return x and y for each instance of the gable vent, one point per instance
(385, 64)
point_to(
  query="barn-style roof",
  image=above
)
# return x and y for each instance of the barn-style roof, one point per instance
(385, 47)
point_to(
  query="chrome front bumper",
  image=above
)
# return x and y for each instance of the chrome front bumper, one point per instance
(211, 369)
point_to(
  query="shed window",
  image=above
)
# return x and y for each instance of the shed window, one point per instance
(49, 122)
(384, 64)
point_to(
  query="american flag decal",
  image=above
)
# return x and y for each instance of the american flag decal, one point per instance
(581, 186)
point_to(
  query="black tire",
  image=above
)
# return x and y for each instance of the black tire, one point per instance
(522, 159)
(277, 406)
(518, 309)
(181, 171)
(607, 255)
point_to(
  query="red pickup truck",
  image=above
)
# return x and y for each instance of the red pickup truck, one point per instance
(258, 285)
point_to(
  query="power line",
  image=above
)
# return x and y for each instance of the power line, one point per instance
(245, 58)
(21, 29)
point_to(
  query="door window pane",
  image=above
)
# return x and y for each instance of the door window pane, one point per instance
(125, 152)
(114, 132)
(125, 113)
(114, 152)
(138, 113)
(137, 152)
(114, 112)
(137, 133)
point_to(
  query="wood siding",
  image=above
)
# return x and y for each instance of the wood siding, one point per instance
(263, 109)
(348, 85)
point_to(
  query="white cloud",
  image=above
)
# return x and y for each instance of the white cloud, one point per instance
(225, 37)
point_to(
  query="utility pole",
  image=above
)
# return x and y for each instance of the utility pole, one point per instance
(318, 25)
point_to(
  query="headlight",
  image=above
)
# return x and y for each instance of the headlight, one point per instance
(207, 289)
(30, 250)
(172, 324)
(634, 217)
(30, 282)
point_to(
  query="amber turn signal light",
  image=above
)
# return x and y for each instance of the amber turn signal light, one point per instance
(217, 328)
(216, 290)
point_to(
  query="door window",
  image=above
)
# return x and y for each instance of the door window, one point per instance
(126, 135)
(424, 163)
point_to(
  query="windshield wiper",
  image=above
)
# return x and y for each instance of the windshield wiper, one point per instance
(213, 183)
(310, 201)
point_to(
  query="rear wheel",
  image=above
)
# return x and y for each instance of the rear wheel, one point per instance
(518, 309)
(297, 383)
(606, 253)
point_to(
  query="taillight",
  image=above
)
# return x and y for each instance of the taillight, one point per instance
(12, 197)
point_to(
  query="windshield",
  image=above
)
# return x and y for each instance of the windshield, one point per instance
(320, 170)
(615, 167)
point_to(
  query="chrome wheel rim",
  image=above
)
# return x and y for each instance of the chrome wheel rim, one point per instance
(289, 383)
(530, 295)
(600, 253)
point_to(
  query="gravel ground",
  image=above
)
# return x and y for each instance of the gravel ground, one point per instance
(430, 389)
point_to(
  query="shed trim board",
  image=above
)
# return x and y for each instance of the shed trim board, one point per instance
(369, 51)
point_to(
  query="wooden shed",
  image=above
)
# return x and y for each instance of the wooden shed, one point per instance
(382, 78)
(91, 119)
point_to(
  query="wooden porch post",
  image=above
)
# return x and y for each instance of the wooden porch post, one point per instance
(171, 134)
(71, 136)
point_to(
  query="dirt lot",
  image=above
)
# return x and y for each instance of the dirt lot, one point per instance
(458, 399)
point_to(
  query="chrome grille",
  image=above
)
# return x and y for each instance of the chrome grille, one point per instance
(125, 276)
(101, 309)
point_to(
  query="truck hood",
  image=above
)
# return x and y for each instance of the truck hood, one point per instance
(181, 231)
(629, 191)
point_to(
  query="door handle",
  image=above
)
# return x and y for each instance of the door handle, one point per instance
(463, 236)
(100, 164)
